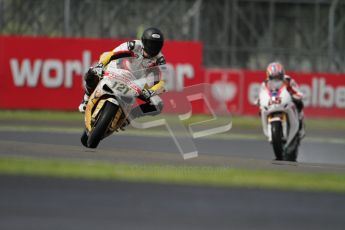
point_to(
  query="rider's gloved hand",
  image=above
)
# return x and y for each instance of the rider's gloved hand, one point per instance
(147, 94)
(97, 70)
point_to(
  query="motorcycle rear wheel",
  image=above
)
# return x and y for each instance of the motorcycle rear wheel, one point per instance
(105, 118)
(277, 139)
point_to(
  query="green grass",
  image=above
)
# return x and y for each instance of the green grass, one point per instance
(237, 121)
(39, 115)
(191, 175)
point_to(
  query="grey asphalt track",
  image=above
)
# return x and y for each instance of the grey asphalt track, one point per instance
(68, 145)
(41, 203)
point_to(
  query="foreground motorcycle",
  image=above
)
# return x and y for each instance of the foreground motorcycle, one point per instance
(280, 121)
(113, 99)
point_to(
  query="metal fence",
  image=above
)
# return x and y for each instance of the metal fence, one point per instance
(305, 35)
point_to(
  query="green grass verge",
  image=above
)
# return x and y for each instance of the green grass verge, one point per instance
(39, 115)
(191, 175)
(237, 121)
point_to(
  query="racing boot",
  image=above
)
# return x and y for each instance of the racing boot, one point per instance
(145, 109)
(125, 124)
(83, 104)
(136, 112)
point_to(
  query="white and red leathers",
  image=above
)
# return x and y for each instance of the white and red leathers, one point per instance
(128, 49)
(295, 93)
(133, 49)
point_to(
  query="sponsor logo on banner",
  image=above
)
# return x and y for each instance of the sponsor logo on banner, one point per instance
(323, 95)
(224, 91)
(55, 73)
(226, 87)
(52, 73)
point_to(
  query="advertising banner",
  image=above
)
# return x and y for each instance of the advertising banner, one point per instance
(46, 73)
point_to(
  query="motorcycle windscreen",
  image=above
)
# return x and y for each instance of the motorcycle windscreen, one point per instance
(141, 69)
(275, 85)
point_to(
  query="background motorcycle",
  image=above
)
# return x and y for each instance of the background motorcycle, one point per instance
(279, 119)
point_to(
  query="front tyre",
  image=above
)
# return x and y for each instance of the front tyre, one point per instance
(277, 139)
(105, 118)
(84, 138)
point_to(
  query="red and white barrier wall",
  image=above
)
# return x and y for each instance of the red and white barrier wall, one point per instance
(324, 92)
(46, 73)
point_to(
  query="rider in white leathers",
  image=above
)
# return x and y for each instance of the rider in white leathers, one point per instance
(146, 53)
(276, 71)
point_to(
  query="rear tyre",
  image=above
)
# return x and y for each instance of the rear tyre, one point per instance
(105, 118)
(277, 139)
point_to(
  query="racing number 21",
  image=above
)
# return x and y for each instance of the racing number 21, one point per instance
(122, 88)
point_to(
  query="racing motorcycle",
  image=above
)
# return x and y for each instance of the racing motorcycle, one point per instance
(280, 121)
(109, 105)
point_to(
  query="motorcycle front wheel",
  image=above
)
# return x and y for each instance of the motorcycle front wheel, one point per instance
(277, 139)
(100, 128)
(84, 138)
